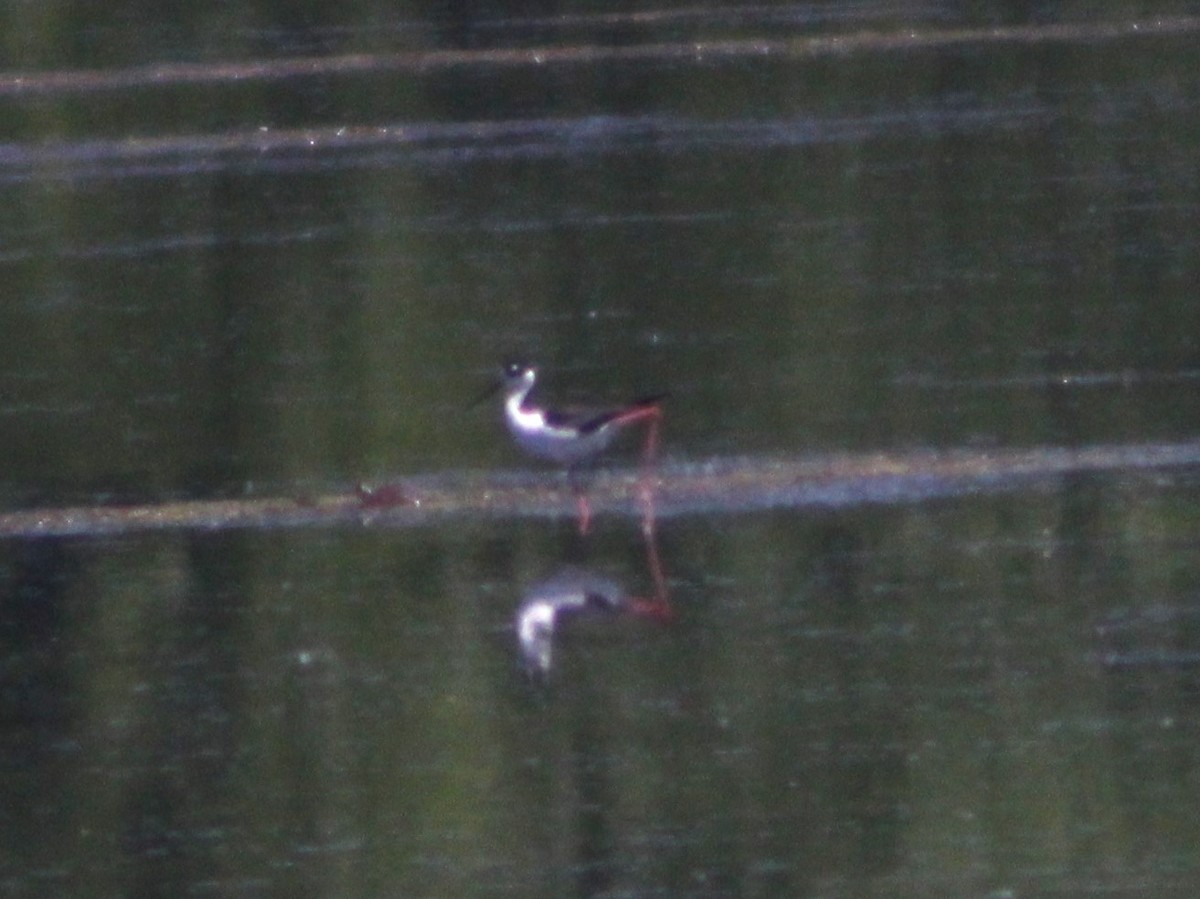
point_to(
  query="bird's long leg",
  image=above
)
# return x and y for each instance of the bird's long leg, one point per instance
(652, 415)
(659, 605)
(646, 483)
(650, 450)
(585, 513)
(581, 501)
(656, 569)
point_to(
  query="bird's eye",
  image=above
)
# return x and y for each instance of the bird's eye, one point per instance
(514, 369)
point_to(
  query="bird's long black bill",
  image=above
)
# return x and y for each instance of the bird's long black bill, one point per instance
(491, 391)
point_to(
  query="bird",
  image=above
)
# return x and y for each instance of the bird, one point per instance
(572, 436)
(574, 591)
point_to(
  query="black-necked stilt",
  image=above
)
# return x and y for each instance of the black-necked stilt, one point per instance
(572, 436)
(575, 591)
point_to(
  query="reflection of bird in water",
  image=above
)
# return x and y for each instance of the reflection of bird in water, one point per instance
(573, 591)
(571, 436)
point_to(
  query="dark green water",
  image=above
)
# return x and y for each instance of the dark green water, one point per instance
(277, 281)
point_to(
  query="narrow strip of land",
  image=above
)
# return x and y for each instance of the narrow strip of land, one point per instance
(707, 50)
(717, 486)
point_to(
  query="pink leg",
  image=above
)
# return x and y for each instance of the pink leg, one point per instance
(649, 455)
(585, 513)
(659, 605)
(650, 451)
(649, 608)
(656, 568)
(651, 415)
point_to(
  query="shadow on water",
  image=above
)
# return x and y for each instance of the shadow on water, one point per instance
(576, 591)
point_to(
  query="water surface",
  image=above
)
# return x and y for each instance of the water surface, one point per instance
(275, 252)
